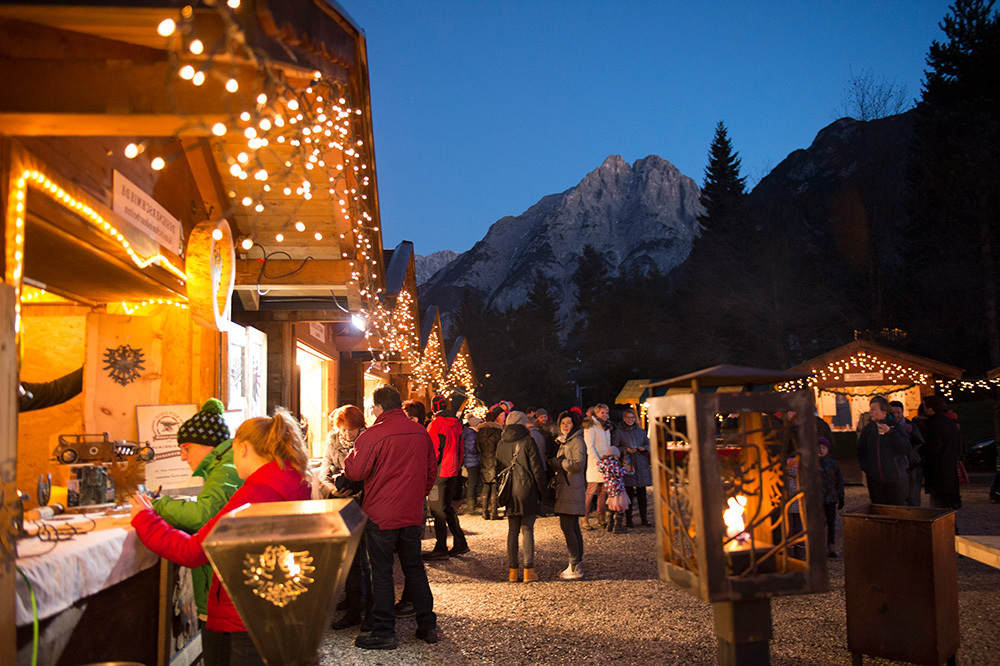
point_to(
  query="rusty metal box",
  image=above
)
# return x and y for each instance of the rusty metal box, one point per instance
(901, 583)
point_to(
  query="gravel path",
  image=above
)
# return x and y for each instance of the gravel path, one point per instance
(621, 612)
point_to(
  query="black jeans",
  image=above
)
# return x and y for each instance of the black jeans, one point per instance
(229, 649)
(525, 526)
(380, 545)
(570, 526)
(888, 493)
(439, 501)
(489, 498)
(472, 487)
(830, 513)
(636, 493)
(358, 587)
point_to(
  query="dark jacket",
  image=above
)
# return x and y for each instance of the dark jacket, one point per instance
(884, 457)
(940, 453)
(395, 460)
(570, 465)
(269, 483)
(633, 437)
(528, 473)
(487, 438)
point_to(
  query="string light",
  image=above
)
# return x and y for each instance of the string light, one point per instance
(130, 308)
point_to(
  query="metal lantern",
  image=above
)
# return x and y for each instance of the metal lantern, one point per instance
(738, 501)
(283, 564)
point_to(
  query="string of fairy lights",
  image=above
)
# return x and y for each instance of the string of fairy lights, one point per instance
(286, 131)
(887, 373)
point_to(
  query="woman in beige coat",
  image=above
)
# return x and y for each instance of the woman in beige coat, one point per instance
(570, 466)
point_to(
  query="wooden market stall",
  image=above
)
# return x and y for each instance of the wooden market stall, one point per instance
(844, 380)
(140, 146)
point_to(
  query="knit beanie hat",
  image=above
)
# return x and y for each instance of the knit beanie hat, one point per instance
(438, 403)
(207, 427)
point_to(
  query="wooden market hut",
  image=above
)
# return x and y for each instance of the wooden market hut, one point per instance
(154, 159)
(846, 378)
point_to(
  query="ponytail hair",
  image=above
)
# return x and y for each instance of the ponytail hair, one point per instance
(277, 437)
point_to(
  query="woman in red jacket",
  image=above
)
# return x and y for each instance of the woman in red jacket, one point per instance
(271, 457)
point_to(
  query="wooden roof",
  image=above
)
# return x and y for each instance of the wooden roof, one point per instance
(728, 375)
(929, 366)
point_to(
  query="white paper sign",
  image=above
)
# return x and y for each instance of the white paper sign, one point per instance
(317, 330)
(144, 213)
(158, 425)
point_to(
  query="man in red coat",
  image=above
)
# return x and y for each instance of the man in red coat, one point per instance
(395, 460)
(446, 434)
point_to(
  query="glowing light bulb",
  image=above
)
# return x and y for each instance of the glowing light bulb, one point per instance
(166, 27)
(260, 175)
(131, 150)
(246, 201)
(217, 234)
(245, 116)
(299, 226)
(262, 98)
(186, 72)
(232, 85)
(219, 129)
(196, 46)
(233, 4)
(318, 236)
(279, 238)
(198, 79)
(250, 133)
(293, 105)
(265, 124)
(157, 164)
(242, 158)
(246, 244)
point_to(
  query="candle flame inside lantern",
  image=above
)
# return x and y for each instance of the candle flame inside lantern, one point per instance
(733, 517)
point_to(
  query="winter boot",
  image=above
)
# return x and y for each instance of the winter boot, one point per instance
(620, 527)
(585, 524)
(529, 575)
(609, 523)
(512, 576)
(572, 572)
(628, 517)
(602, 521)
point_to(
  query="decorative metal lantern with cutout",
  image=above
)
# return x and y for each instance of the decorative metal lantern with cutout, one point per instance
(283, 565)
(738, 498)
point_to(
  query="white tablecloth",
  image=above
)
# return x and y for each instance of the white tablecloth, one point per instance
(77, 568)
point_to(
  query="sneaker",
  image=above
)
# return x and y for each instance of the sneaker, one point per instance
(429, 635)
(404, 609)
(369, 642)
(436, 555)
(459, 550)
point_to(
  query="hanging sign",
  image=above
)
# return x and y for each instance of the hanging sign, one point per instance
(863, 376)
(144, 213)
(317, 330)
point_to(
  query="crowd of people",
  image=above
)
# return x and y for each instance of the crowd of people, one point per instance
(581, 467)
(509, 464)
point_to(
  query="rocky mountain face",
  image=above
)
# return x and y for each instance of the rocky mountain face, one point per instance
(640, 217)
(427, 266)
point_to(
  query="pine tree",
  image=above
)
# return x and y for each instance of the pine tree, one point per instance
(955, 171)
(724, 190)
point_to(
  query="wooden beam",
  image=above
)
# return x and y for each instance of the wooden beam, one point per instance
(290, 316)
(250, 298)
(113, 98)
(294, 274)
(8, 472)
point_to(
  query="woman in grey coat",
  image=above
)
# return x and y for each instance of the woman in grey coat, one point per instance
(633, 442)
(570, 466)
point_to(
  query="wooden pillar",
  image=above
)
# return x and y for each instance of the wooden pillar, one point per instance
(8, 473)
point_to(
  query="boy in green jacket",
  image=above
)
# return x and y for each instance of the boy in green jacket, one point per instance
(207, 448)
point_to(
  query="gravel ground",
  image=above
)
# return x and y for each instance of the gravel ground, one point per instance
(623, 613)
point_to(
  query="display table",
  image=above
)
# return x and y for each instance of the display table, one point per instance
(99, 596)
(63, 572)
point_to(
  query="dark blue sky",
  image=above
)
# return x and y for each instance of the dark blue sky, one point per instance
(482, 108)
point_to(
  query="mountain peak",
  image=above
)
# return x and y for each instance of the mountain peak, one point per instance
(641, 217)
